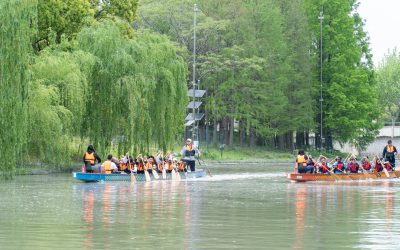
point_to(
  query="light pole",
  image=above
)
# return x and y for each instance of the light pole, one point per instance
(194, 134)
(321, 17)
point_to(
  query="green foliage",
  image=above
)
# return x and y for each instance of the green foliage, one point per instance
(16, 20)
(388, 79)
(125, 9)
(350, 92)
(57, 102)
(58, 18)
(137, 88)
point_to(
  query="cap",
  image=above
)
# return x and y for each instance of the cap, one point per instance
(189, 140)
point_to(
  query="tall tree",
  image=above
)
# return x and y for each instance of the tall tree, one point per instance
(350, 101)
(17, 18)
(388, 78)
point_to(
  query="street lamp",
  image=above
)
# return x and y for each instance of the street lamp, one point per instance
(194, 134)
(321, 18)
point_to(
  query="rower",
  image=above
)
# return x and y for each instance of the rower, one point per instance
(353, 166)
(301, 162)
(366, 165)
(170, 165)
(140, 164)
(323, 166)
(389, 153)
(89, 159)
(109, 166)
(378, 166)
(339, 166)
(388, 165)
(149, 165)
(189, 152)
(310, 165)
(182, 166)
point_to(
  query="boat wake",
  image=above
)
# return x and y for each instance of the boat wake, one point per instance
(227, 177)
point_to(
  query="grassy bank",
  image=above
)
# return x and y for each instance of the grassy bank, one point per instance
(244, 154)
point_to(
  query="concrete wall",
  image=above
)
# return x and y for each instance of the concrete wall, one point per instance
(377, 146)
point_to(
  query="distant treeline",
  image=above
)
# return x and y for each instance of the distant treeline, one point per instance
(259, 61)
(99, 71)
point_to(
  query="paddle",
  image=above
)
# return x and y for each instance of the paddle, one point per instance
(155, 174)
(384, 168)
(147, 175)
(330, 171)
(164, 172)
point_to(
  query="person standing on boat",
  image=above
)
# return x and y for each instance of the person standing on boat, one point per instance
(89, 159)
(389, 153)
(189, 152)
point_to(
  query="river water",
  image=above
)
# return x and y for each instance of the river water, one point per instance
(252, 207)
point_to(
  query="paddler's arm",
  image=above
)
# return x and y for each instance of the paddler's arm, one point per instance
(97, 157)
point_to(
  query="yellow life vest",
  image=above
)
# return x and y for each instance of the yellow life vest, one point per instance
(107, 167)
(301, 160)
(90, 158)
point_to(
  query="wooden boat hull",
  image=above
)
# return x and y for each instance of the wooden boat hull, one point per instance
(339, 177)
(95, 177)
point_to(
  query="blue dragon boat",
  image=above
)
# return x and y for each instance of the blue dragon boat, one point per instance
(95, 177)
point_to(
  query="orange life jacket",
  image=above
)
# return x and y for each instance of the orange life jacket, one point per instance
(161, 166)
(170, 166)
(107, 167)
(122, 166)
(90, 158)
(182, 166)
(300, 159)
(140, 167)
(389, 149)
(148, 166)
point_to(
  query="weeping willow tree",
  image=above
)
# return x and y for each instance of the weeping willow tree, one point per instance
(137, 88)
(57, 103)
(17, 20)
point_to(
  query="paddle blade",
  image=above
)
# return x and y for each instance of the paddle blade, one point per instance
(173, 174)
(147, 175)
(133, 179)
(386, 172)
(164, 174)
(155, 174)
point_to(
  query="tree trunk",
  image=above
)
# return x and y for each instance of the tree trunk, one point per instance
(215, 135)
(242, 133)
(231, 130)
(226, 131)
(252, 137)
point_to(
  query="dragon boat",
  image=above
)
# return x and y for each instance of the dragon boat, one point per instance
(95, 177)
(345, 177)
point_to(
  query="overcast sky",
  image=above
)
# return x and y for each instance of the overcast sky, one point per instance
(382, 24)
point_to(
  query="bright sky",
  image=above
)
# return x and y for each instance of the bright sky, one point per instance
(382, 24)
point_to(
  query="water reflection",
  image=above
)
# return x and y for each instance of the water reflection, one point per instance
(147, 212)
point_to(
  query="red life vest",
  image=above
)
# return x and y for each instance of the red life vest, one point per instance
(324, 169)
(353, 167)
(340, 167)
(366, 165)
(388, 166)
(378, 167)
